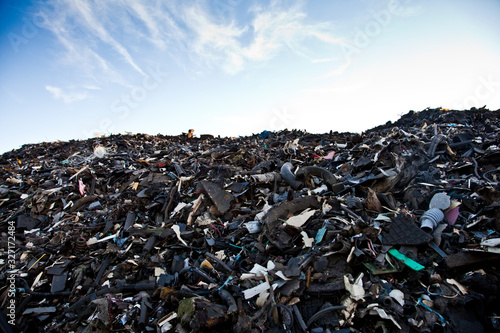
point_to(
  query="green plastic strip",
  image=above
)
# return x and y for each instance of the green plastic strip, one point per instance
(407, 261)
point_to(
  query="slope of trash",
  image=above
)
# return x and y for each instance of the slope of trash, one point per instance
(394, 229)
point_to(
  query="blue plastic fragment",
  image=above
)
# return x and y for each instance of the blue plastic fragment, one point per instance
(441, 318)
(263, 135)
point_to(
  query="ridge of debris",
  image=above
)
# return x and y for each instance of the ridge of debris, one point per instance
(393, 229)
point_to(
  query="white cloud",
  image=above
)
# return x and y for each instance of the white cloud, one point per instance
(80, 49)
(315, 61)
(71, 97)
(213, 42)
(89, 29)
(95, 34)
(91, 87)
(270, 31)
(92, 23)
(339, 70)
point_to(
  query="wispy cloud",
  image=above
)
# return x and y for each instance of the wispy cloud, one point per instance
(213, 42)
(315, 61)
(91, 87)
(273, 29)
(340, 69)
(95, 34)
(70, 97)
(92, 23)
(80, 49)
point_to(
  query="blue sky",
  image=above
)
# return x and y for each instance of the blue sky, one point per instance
(76, 69)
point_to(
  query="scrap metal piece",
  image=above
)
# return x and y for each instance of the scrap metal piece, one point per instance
(58, 282)
(434, 144)
(220, 198)
(150, 243)
(438, 250)
(129, 221)
(46, 309)
(80, 245)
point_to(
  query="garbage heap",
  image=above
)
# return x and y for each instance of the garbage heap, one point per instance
(394, 229)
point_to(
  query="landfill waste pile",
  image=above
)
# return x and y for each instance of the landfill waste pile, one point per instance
(396, 229)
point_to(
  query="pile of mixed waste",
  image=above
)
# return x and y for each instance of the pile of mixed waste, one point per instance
(394, 229)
